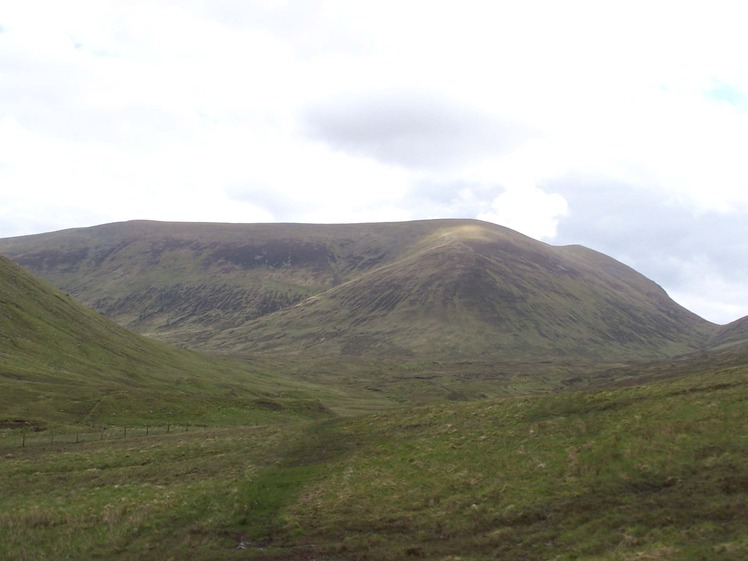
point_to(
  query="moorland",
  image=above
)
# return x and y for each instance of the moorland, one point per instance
(444, 389)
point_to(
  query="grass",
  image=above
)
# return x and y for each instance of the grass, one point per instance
(604, 475)
(206, 493)
(656, 471)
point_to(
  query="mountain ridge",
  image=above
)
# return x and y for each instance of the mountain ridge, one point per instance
(449, 287)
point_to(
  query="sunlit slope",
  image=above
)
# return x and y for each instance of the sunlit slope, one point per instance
(61, 363)
(440, 288)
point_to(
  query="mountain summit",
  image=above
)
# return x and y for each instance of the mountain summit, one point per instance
(434, 288)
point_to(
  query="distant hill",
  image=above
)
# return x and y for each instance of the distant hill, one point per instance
(734, 333)
(437, 288)
(63, 364)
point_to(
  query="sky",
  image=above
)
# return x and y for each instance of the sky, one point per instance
(621, 126)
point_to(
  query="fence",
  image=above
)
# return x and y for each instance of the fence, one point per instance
(22, 438)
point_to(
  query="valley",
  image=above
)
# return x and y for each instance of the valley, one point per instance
(441, 390)
(650, 471)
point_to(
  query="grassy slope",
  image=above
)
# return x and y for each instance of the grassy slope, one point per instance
(64, 364)
(644, 472)
(446, 288)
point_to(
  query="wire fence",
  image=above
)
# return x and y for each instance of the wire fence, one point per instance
(23, 438)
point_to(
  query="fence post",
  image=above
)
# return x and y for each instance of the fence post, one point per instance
(168, 426)
(23, 440)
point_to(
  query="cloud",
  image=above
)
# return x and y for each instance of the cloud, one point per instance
(527, 209)
(418, 130)
(722, 92)
(619, 127)
(697, 254)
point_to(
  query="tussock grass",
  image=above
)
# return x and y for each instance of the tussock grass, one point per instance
(644, 472)
(618, 474)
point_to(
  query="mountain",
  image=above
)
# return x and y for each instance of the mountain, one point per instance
(63, 364)
(734, 333)
(435, 288)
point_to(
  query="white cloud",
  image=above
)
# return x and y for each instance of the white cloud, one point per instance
(716, 294)
(696, 254)
(414, 129)
(527, 209)
(335, 111)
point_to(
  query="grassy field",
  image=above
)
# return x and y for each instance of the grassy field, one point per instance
(656, 471)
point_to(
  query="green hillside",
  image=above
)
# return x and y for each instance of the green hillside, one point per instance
(447, 289)
(655, 471)
(63, 364)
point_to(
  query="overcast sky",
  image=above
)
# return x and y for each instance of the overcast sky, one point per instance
(622, 126)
